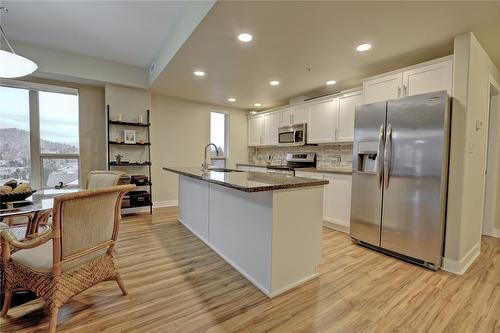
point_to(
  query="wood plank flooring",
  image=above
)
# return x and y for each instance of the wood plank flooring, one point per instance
(177, 284)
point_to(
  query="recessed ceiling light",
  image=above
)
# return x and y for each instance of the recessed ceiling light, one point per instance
(331, 82)
(245, 37)
(257, 104)
(199, 73)
(231, 99)
(363, 47)
(274, 83)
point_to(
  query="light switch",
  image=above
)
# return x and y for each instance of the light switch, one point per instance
(479, 124)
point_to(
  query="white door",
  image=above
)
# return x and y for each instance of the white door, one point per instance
(321, 121)
(337, 206)
(347, 107)
(271, 124)
(286, 117)
(382, 88)
(430, 78)
(299, 114)
(255, 130)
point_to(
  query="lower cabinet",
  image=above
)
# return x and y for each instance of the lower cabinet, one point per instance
(337, 199)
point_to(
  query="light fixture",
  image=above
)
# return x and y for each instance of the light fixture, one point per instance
(231, 99)
(257, 104)
(363, 47)
(11, 64)
(199, 73)
(274, 83)
(330, 82)
(253, 112)
(245, 37)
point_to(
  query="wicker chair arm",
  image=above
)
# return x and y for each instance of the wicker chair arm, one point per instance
(8, 237)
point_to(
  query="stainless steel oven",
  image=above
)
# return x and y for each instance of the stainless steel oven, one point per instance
(292, 135)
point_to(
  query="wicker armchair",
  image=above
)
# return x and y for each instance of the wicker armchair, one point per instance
(75, 255)
(99, 179)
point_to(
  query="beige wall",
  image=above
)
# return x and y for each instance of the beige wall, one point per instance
(180, 130)
(92, 124)
(472, 69)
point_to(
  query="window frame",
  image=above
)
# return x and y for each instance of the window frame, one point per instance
(227, 124)
(37, 156)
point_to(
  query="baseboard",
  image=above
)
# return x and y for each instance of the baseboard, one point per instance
(165, 203)
(496, 233)
(293, 285)
(460, 267)
(338, 226)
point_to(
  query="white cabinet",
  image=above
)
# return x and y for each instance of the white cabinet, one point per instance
(423, 78)
(255, 130)
(293, 115)
(337, 205)
(337, 199)
(347, 108)
(271, 124)
(322, 121)
(382, 88)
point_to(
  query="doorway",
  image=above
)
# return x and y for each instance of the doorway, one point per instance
(491, 216)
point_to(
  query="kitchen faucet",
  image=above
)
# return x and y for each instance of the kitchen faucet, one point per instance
(204, 166)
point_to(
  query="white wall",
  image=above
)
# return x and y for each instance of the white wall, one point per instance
(180, 129)
(472, 69)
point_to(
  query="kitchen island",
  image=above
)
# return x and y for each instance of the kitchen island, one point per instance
(267, 226)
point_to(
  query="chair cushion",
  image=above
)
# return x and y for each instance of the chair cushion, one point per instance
(3, 225)
(39, 259)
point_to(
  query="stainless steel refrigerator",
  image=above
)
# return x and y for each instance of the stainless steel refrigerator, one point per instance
(399, 180)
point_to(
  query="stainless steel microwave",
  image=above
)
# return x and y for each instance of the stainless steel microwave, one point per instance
(292, 135)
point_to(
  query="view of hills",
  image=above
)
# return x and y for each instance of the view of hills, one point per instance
(15, 143)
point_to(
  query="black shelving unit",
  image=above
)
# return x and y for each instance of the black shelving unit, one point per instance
(146, 164)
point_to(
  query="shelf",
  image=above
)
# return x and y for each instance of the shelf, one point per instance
(129, 123)
(129, 144)
(129, 164)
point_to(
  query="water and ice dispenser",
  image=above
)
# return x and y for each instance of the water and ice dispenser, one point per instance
(367, 156)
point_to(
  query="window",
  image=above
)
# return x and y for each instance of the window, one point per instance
(39, 134)
(219, 135)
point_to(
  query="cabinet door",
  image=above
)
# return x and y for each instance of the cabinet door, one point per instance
(299, 114)
(382, 88)
(322, 121)
(347, 107)
(255, 130)
(430, 78)
(286, 117)
(337, 206)
(271, 124)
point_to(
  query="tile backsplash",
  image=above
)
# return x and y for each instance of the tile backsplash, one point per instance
(327, 156)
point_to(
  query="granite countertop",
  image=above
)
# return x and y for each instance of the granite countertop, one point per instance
(342, 171)
(248, 181)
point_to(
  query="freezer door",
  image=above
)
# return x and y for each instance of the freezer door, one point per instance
(415, 180)
(367, 173)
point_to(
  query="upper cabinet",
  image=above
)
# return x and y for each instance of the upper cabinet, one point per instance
(382, 88)
(322, 121)
(256, 130)
(346, 110)
(263, 129)
(427, 77)
(271, 124)
(293, 115)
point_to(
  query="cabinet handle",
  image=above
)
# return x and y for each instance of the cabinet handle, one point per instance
(399, 91)
(404, 90)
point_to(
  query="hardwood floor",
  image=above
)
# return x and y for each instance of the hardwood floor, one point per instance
(177, 284)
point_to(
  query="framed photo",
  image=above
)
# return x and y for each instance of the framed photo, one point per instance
(129, 136)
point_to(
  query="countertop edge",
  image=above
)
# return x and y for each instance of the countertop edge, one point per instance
(312, 170)
(246, 189)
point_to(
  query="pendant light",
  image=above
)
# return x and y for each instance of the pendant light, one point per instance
(11, 64)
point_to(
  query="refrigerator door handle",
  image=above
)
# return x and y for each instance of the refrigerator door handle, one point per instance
(380, 160)
(387, 155)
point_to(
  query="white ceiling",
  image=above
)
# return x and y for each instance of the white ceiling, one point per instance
(128, 32)
(292, 36)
